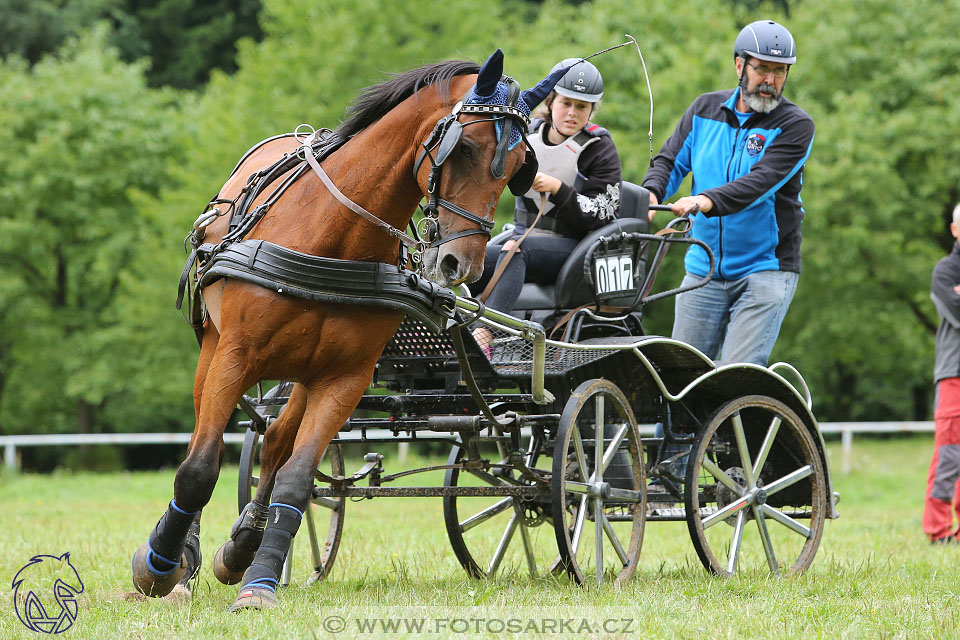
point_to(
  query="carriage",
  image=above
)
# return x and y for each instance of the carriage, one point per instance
(298, 270)
(547, 469)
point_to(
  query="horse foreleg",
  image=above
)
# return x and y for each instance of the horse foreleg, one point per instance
(329, 404)
(236, 554)
(172, 553)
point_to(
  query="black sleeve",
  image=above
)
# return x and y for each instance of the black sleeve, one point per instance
(785, 157)
(946, 275)
(596, 201)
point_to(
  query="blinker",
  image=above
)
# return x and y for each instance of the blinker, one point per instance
(449, 140)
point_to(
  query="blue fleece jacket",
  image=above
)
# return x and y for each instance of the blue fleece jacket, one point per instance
(753, 173)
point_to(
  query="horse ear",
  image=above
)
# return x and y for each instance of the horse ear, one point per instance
(489, 75)
(65, 556)
(535, 95)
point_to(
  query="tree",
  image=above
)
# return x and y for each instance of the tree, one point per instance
(183, 39)
(81, 139)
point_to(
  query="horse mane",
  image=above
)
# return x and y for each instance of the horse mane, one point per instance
(375, 101)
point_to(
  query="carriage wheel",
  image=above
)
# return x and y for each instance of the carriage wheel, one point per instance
(325, 518)
(599, 498)
(499, 535)
(754, 477)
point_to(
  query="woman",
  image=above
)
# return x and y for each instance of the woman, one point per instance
(580, 176)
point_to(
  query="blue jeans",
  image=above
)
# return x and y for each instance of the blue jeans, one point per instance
(732, 321)
(735, 320)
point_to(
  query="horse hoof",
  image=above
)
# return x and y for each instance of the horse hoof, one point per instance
(222, 572)
(148, 581)
(254, 598)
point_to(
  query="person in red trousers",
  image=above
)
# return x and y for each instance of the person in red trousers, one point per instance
(943, 479)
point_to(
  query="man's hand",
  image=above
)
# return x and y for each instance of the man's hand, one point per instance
(691, 204)
(653, 202)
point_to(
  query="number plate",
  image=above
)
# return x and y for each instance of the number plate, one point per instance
(613, 273)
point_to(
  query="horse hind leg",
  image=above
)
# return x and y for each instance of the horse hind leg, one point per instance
(171, 555)
(236, 554)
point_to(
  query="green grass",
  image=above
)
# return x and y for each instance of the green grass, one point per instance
(874, 576)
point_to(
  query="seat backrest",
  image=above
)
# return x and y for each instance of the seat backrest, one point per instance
(634, 202)
(570, 290)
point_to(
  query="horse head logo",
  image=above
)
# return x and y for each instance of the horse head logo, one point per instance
(45, 593)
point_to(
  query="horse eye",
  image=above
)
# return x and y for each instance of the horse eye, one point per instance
(466, 149)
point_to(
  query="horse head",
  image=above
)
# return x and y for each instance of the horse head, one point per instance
(475, 152)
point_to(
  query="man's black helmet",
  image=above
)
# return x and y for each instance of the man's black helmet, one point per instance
(766, 40)
(583, 81)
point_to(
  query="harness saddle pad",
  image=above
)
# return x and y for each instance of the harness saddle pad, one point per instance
(301, 275)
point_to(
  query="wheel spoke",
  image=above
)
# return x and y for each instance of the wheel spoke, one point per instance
(327, 503)
(578, 449)
(577, 487)
(721, 476)
(491, 480)
(789, 479)
(767, 445)
(486, 514)
(528, 551)
(725, 512)
(599, 419)
(612, 537)
(614, 445)
(742, 446)
(502, 547)
(314, 545)
(785, 520)
(598, 537)
(767, 542)
(735, 542)
(578, 524)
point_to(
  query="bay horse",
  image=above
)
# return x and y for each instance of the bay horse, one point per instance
(251, 333)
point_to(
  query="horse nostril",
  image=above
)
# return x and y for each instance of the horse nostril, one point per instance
(450, 267)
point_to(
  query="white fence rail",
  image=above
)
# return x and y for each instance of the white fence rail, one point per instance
(10, 443)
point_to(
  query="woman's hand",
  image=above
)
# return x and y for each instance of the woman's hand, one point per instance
(546, 184)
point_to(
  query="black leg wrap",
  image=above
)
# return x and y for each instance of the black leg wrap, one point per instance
(192, 550)
(169, 537)
(282, 525)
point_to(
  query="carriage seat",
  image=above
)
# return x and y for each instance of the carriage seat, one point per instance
(570, 290)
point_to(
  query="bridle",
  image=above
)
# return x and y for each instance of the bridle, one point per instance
(442, 140)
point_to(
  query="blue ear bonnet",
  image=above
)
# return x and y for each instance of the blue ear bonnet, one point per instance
(485, 92)
(500, 97)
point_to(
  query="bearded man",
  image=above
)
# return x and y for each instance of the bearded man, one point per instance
(746, 149)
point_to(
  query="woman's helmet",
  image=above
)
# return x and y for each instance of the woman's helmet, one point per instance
(766, 40)
(583, 81)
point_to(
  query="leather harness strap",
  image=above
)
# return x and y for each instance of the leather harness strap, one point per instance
(350, 204)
